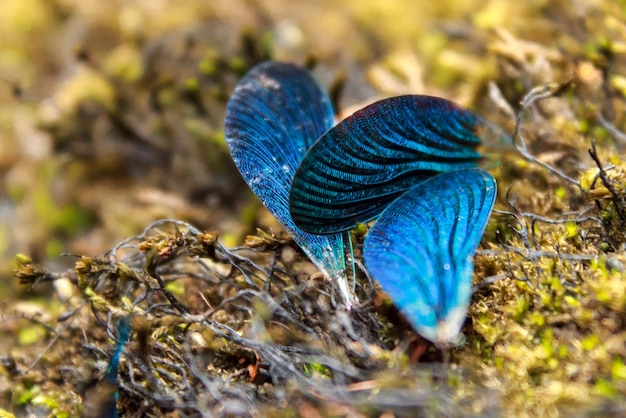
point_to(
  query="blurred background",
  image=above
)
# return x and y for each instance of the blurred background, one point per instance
(111, 112)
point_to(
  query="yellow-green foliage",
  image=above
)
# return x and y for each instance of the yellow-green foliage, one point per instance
(551, 332)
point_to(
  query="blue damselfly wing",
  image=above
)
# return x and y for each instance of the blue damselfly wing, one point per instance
(357, 168)
(274, 115)
(421, 249)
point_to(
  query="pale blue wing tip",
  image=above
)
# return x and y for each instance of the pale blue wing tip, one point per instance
(442, 332)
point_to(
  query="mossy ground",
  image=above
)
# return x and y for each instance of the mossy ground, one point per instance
(111, 118)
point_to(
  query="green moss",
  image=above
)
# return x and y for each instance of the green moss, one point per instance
(618, 370)
(177, 288)
(571, 229)
(606, 388)
(125, 63)
(30, 335)
(48, 402)
(318, 371)
(549, 336)
(26, 16)
(24, 395)
(85, 86)
(208, 65)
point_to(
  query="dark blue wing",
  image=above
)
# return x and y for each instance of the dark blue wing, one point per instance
(274, 115)
(421, 249)
(364, 163)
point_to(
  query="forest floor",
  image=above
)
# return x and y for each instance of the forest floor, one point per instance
(111, 120)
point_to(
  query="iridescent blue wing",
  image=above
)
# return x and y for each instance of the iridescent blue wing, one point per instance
(274, 115)
(100, 400)
(364, 163)
(123, 332)
(421, 249)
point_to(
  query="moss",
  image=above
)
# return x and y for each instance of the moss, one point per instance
(139, 114)
(125, 63)
(86, 85)
(26, 16)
